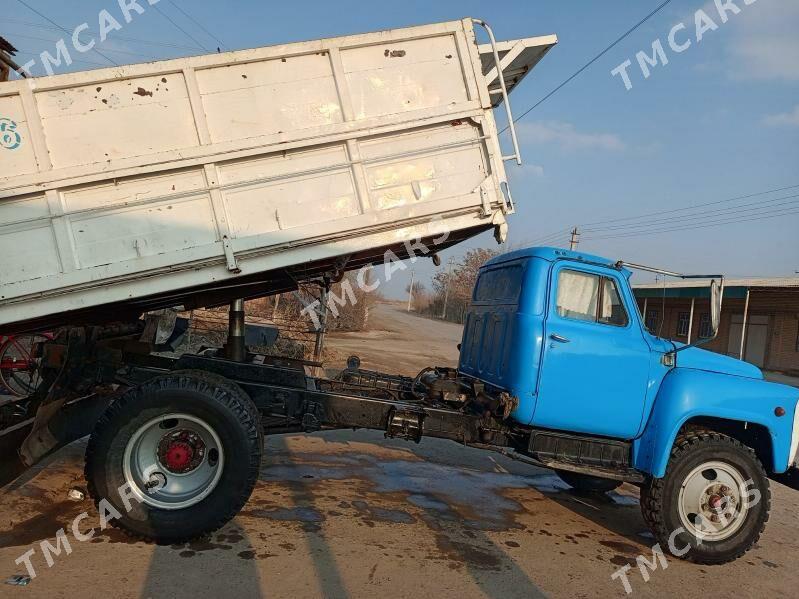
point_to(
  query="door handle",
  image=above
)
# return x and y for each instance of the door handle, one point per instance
(559, 338)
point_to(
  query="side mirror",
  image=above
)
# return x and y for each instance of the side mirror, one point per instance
(716, 297)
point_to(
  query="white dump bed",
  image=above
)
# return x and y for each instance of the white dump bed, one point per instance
(154, 180)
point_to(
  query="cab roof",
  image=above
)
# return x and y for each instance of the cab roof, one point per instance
(550, 254)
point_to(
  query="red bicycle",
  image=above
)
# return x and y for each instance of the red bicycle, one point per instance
(19, 375)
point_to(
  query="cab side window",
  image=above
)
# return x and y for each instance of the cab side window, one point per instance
(612, 310)
(591, 298)
(577, 295)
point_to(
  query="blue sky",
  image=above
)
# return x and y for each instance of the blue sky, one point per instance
(719, 121)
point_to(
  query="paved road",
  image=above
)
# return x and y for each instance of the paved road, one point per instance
(401, 342)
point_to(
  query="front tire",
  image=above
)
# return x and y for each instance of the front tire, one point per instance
(713, 503)
(185, 446)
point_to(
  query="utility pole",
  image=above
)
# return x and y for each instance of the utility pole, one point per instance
(410, 292)
(575, 240)
(450, 262)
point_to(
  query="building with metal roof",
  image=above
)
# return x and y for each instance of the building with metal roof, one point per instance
(759, 317)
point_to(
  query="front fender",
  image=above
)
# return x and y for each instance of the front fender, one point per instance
(687, 393)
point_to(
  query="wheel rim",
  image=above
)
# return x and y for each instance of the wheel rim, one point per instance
(174, 461)
(711, 501)
(18, 370)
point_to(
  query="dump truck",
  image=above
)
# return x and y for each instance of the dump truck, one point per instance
(377, 143)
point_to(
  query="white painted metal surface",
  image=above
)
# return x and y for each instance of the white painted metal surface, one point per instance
(127, 182)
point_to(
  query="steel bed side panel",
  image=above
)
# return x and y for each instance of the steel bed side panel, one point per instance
(138, 180)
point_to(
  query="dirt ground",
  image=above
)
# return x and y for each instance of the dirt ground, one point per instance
(400, 342)
(350, 514)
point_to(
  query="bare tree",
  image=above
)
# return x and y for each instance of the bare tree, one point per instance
(457, 285)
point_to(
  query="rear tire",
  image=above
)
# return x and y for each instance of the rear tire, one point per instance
(187, 448)
(713, 503)
(586, 483)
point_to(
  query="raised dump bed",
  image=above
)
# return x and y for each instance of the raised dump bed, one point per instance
(196, 180)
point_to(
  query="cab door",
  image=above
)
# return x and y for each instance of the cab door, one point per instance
(595, 364)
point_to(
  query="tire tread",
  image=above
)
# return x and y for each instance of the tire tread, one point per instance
(226, 392)
(652, 492)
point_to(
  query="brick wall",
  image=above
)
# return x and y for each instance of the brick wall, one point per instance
(782, 351)
(781, 308)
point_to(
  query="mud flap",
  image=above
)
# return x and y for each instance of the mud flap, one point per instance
(19, 449)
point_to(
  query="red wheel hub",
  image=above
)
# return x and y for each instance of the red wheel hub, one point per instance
(178, 456)
(181, 451)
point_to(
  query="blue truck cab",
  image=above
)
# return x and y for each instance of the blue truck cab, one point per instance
(606, 401)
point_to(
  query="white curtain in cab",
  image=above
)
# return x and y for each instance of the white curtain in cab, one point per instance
(577, 295)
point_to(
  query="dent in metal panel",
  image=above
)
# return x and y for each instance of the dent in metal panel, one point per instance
(268, 97)
(261, 208)
(117, 119)
(288, 190)
(444, 174)
(439, 162)
(158, 228)
(16, 149)
(414, 75)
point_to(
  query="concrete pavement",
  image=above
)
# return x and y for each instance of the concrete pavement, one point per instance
(348, 514)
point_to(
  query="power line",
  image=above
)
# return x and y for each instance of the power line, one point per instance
(587, 226)
(658, 222)
(196, 22)
(551, 240)
(545, 241)
(44, 39)
(693, 227)
(589, 63)
(24, 51)
(49, 20)
(702, 205)
(186, 33)
(557, 234)
(116, 36)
